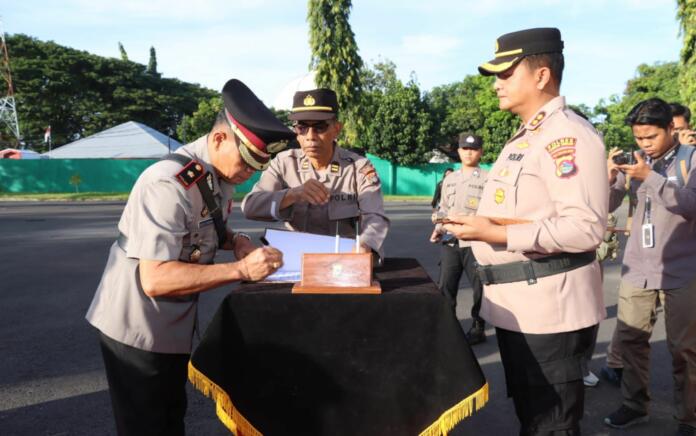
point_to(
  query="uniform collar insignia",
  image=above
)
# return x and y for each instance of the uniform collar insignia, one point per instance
(335, 167)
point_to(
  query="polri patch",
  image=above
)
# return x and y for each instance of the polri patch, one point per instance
(370, 173)
(562, 151)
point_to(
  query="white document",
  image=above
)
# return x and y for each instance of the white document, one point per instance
(294, 244)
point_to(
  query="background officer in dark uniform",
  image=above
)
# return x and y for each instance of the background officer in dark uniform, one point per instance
(461, 192)
(145, 306)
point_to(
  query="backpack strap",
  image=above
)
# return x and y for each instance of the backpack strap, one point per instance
(194, 172)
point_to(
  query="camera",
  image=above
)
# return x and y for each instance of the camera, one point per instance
(624, 158)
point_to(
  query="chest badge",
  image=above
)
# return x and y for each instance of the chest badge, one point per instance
(472, 202)
(522, 145)
(195, 255)
(204, 212)
(499, 196)
(504, 172)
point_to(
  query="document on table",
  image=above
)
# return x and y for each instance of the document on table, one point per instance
(294, 244)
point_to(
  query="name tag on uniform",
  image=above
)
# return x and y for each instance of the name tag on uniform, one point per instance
(648, 233)
(205, 222)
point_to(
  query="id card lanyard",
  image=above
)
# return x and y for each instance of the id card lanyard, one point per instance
(648, 229)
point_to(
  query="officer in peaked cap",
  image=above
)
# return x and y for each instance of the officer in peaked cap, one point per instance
(461, 193)
(542, 282)
(320, 187)
(175, 220)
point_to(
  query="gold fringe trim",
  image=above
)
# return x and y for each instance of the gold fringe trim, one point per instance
(226, 412)
(459, 412)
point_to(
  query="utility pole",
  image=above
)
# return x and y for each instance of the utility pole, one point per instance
(8, 107)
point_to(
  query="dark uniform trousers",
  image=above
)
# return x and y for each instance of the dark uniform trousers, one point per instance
(143, 380)
(454, 261)
(543, 373)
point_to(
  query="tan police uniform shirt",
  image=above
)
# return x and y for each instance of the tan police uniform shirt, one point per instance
(461, 193)
(162, 220)
(552, 172)
(671, 262)
(354, 190)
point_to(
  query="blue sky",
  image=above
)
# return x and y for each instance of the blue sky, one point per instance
(265, 42)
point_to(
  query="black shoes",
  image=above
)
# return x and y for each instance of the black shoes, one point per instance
(625, 417)
(612, 375)
(477, 332)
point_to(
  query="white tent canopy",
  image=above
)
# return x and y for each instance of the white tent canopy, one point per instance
(129, 140)
(302, 83)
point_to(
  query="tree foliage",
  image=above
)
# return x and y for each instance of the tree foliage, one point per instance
(686, 14)
(397, 123)
(335, 58)
(199, 123)
(79, 94)
(152, 63)
(122, 51)
(657, 80)
(471, 106)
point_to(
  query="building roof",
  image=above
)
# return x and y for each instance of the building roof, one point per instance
(129, 140)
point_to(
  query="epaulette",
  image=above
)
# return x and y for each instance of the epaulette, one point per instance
(190, 174)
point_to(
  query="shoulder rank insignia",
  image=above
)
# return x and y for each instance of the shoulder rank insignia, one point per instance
(538, 118)
(562, 151)
(190, 174)
(335, 167)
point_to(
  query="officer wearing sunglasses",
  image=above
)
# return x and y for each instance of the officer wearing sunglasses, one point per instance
(321, 186)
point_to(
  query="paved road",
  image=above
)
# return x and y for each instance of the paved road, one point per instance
(51, 374)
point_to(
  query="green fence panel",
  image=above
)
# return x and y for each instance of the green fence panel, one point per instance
(70, 175)
(119, 175)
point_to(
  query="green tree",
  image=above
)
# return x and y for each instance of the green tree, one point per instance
(152, 63)
(657, 80)
(471, 106)
(398, 125)
(686, 13)
(79, 93)
(122, 50)
(200, 122)
(335, 57)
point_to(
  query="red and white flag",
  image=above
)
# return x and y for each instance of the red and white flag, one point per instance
(47, 135)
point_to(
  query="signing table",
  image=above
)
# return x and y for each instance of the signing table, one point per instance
(391, 364)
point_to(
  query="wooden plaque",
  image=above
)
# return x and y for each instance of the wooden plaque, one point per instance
(337, 273)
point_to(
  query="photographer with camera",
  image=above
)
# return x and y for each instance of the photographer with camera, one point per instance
(659, 258)
(681, 115)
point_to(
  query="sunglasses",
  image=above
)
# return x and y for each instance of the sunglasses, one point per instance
(319, 127)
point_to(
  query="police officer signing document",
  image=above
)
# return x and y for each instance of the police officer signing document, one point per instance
(146, 303)
(542, 283)
(321, 187)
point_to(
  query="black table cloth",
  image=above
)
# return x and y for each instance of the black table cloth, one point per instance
(391, 364)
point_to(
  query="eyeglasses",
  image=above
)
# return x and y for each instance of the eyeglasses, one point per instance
(319, 127)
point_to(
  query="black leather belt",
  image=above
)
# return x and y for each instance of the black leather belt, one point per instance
(531, 270)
